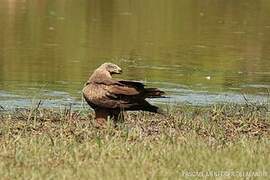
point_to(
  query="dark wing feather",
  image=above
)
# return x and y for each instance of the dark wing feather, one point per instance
(153, 93)
(134, 84)
(124, 90)
(146, 92)
(121, 87)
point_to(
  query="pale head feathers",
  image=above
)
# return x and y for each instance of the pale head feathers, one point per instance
(111, 68)
(105, 71)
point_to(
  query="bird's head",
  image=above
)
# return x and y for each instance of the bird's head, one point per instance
(111, 68)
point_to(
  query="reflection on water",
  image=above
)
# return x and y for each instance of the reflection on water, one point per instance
(196, 50)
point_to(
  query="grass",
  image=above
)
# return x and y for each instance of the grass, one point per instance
(191, 142)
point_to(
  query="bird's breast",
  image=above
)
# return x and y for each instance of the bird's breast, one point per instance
(93, 92)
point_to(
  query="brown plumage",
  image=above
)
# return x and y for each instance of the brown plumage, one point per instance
(109, 97)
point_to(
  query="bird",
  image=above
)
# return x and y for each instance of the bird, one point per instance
(109, 97)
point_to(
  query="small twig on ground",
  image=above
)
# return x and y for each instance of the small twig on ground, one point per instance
(248, 103)
(38, 105)
(33, 110)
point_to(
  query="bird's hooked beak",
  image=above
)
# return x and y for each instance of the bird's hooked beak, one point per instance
(118, 71)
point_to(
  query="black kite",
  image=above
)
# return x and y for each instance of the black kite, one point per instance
(109, 97)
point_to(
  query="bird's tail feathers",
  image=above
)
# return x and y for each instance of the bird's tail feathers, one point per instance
(155, 109)
(153, 93)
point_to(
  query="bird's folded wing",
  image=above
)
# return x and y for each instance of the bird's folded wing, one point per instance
(123, 90)
(121, 87)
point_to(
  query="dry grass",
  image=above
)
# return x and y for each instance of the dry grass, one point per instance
(64, 144)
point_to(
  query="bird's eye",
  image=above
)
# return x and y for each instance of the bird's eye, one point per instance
(111, 67)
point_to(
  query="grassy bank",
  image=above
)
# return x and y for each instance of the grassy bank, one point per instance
(223, 139)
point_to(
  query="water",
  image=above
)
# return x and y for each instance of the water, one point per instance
(199, 52)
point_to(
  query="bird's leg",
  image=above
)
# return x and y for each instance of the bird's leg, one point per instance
(117, 116)
(101, 116)
(121, 117)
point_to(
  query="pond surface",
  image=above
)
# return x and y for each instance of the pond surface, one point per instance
(199, 52)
